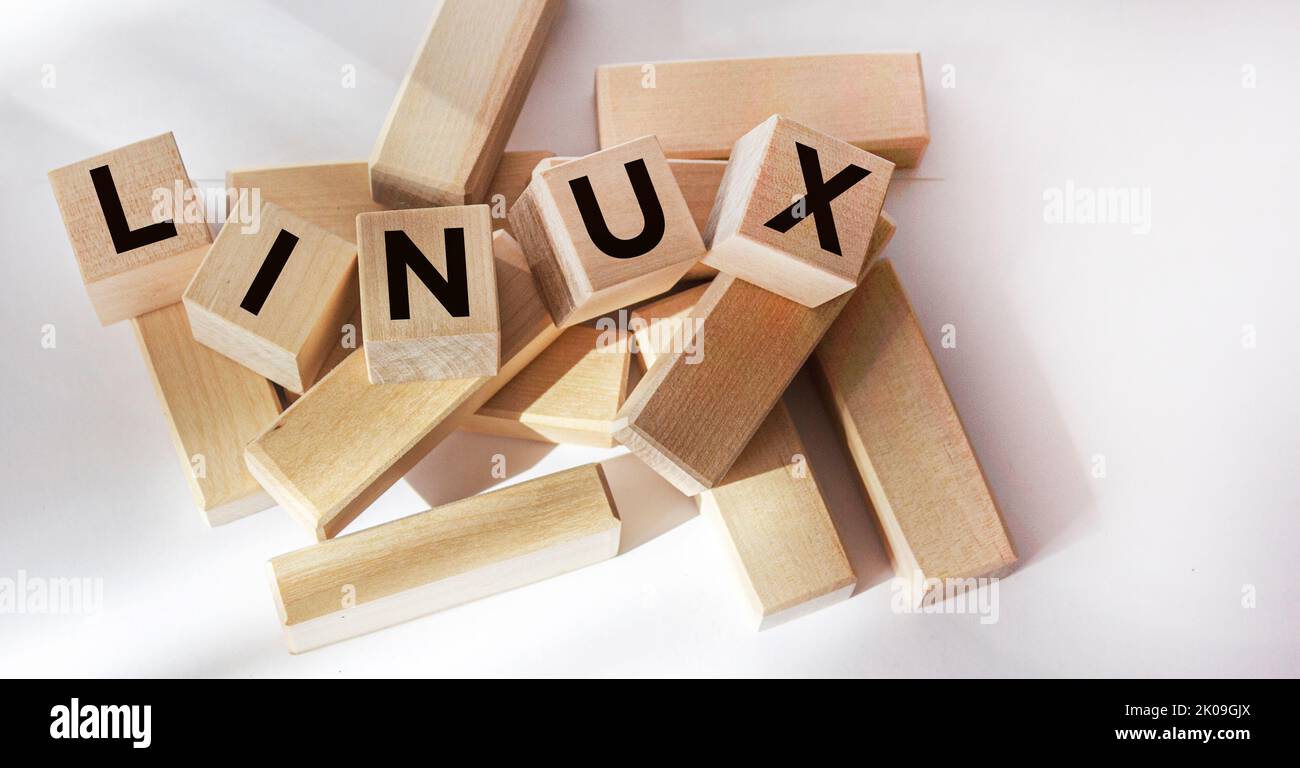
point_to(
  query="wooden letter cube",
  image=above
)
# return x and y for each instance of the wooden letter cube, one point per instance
(272, 296)
(781, 175)
(428, 294)
(131, 261)
(605, 230)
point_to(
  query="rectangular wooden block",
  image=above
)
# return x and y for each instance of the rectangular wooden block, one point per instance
(569, 394)
(795, 211)
(272, 296)
(934, 506)
(428, 294)
(666, 325)
(214, 406)
(783, 540)
(789, 554)
(454, 111)
(346, 441)
(606, 230)
(693, 413)
(875, 101)
(329, 195)
(131, 261)
(445, 557)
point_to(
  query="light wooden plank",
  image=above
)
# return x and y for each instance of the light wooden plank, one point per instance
(329, 195)
(698, 109)
(455, 109)
(445, 557)
(213, 406)
(693, 413)
(346, 441)
(768, 506)
(933, 503)
(789, 556)
(666, 325)
(570, 394)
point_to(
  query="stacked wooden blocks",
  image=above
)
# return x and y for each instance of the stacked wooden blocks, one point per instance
(734, 207)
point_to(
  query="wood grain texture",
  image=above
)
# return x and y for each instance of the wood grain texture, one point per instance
(698, 181)
(293, 330)
(329, 195)
(213, 406)
(578, 278)
(455, 109)
(930, 497)
(691, 415)
(823, 254)
(431, 343)
(698, 109)
(508, 183)
(346, 341)
(783, 540)
(768, 506)
(138, 279)
(570, 394)
(346, 441)
(445, 557)
(666, 325)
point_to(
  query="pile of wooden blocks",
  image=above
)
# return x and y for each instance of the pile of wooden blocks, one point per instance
(734, 208)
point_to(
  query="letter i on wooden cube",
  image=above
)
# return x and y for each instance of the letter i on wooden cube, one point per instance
(272, 293)
(428, 294)
(136, 252)
(605, 230)
(795, 212)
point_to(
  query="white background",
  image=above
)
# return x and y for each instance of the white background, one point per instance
(1074, 341)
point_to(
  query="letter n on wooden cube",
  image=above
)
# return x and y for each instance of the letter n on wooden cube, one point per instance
(605, 230)
(428, 294)
(272, 294)
(795, 212)
(125, 215)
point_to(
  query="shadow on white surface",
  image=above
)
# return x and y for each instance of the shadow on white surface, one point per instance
(648, 505)
(463, 466)
(838, 480)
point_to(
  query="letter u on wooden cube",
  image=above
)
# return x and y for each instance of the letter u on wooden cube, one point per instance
(605, 230)
(795, 212)
(272, 296)
(428, 294)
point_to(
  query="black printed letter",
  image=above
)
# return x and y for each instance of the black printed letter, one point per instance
(269, 272)
(452, 292)
(818, 200)
(124, 238)
(653, 213)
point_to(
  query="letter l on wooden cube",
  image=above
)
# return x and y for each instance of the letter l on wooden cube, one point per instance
(428, 294)
(781, 175)
(131, 260)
